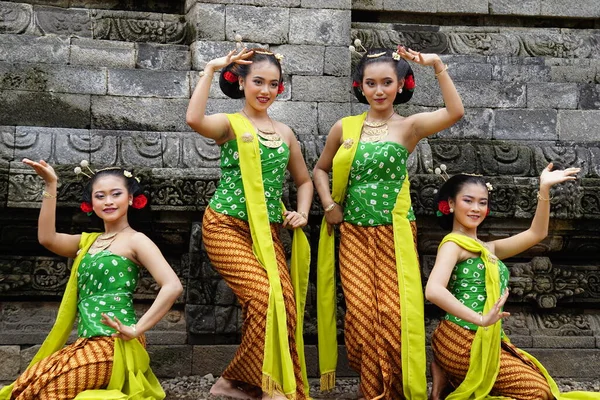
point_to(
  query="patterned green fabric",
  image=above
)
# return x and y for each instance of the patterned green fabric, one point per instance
(376, 177)
(106, 283)
(229, 197)
(467, 284)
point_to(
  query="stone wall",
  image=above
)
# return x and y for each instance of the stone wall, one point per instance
(109, 82)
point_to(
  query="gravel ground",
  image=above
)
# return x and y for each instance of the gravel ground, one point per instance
(197, 388)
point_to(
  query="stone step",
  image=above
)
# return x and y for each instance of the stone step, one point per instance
(128, 26)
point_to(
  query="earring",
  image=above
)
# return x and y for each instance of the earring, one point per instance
(130, 202)
(241, 88)
(399, 90)
(451, 210)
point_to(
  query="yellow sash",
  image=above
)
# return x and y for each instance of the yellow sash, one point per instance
(409, 278)
(278, 369)
(138, 384)
(484, 363)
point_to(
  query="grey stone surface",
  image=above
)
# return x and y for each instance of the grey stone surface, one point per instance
(589, 96)
(257, 23)
(566, 8)
(163, 56)
(7, 143)
(27, 355)
(207, 21)
(171, 360)
(338, 4)
(573, 73)
(301, 60)
(44, 109)
(337, 61)
(61, 21)
(367, 5)
(321, 88)
(321, 27)
(9, 368)
(410, 6)
(521, 73)
(131, 113)
(300, 116)
(55, 145)
(579, 125)
(575, 363)
(552, 95)
(16, 18)
(525, 125)
(114, 147)
(562, 342)
(211, 359)
(470, 71)
(512, 7)
(52, 78)
(34, 49)
(144, 83)
(329, 113)
(102, 53)
(477, 123)
(491, 94)
(463, 6)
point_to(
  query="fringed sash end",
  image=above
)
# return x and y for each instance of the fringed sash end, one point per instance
(327, 381)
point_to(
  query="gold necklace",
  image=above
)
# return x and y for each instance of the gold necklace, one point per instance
(104, 241)
(270, 139)
(374, 131)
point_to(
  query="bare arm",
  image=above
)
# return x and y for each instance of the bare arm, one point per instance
(426, 124)
(505, 248)
(215, 126)
(299, 172)
(321, 175)
(437, 291)
(148, 254)
(59, 243)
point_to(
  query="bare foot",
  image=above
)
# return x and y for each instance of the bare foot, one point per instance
(440, 381)
(226, 387)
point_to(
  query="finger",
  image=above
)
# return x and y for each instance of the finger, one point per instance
(549, 167)
(329, 229)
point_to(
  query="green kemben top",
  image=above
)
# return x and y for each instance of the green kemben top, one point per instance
(229, 197)
(105, 282)
(376, 176)
(467, 284)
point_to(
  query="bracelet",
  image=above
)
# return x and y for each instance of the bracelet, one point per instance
(303, 214)
(442, 71)
(539, 196)
(330, 207)
(48, 195)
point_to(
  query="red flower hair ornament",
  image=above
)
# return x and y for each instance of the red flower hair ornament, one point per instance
(86, 208)
(139, 201)
(281, 88)
(443, 208)
(230, 77)
(409, 82)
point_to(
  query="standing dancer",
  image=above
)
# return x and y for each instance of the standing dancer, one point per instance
(241, 225)
(107, 361)
(370, 199)
(470, 283)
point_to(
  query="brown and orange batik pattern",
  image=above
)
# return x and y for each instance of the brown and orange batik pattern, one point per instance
(229, 246)
(372, 325)
(518, 377)
(83, 365)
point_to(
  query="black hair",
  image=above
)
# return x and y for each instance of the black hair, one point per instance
(449, 190)
(133, 186)
(232, 89)
(403, 71)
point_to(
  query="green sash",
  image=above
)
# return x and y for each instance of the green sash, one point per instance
(409, 278)
(484, 363)
(278, 369)
(139, 384)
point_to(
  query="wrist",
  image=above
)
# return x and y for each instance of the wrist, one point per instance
(209, 69)
(330, 207)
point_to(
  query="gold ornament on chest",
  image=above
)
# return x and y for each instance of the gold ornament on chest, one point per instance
(374, 131)
(268, 138)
